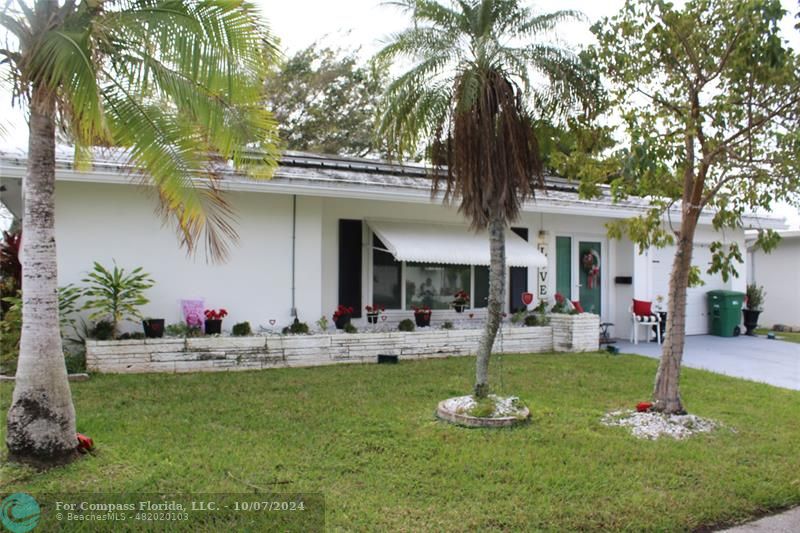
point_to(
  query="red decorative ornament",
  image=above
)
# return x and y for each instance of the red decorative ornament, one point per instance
(643, 407)
(527, 298)
(85, 443)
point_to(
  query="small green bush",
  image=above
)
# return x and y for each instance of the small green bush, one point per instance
(350, 328)
(322, 323)
(102, 330)
(181, 329)
(242, 329)
(406, 325)
(447, 325)
(136, 335)
(296, 328)
(76, 362)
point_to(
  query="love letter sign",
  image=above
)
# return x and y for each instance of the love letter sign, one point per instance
(527, 298)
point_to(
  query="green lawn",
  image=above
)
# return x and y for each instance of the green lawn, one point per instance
(790, 336)
(365, 437)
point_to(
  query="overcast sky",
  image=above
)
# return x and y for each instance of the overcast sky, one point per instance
(364, 23)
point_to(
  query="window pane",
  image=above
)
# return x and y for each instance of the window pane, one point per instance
(385, 277)
(481, 297)
(434, 285)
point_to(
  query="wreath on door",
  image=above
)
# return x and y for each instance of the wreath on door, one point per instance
(591, 266)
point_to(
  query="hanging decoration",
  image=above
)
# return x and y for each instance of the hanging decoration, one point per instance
(591, 266)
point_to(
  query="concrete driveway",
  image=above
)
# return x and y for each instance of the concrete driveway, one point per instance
(755, 358)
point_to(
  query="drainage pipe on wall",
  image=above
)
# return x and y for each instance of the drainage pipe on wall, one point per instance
(293, 312)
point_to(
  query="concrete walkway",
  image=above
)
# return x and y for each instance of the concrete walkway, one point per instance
(786, 522)
(755, 358)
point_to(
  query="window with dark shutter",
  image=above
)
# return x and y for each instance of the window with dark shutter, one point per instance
(518, 279)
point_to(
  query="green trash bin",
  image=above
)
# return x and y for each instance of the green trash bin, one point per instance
(725, 312)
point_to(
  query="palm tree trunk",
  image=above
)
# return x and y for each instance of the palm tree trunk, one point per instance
(666, 393)
(497, 290)
(41, 420)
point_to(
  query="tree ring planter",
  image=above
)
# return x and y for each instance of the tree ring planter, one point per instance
(445, 412)
(213, 327)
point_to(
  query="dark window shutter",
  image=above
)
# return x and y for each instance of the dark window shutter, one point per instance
(518, 279)
(350, 265)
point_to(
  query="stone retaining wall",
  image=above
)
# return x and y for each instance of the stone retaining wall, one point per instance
(213, 354)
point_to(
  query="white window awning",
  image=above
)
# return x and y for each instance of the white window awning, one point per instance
(450, 244)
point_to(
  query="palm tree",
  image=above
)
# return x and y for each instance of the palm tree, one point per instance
(172, 81)
(480, 73)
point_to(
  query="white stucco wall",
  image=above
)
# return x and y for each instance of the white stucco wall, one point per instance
(105, 222)
(97, 222)
(779, 273)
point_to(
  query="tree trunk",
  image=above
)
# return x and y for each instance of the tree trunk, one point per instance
(666, 393)
(41, 420)
(497, 290)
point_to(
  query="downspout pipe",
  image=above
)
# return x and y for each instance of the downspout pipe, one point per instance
(293, 311)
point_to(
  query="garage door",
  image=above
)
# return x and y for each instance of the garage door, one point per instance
(696, 307)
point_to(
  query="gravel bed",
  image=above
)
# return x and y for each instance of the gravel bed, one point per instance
(653, 425)
(503, 405)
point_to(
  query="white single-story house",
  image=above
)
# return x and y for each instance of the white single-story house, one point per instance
(337, 230)
(779, 273)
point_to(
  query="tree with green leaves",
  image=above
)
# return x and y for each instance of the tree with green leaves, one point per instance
(710, 97)
(481, 72)
(177, 84)
(325, 100)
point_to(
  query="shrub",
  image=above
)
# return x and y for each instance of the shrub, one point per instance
(406, 325)
(242, 329)
(350, 328)
(296, 328)
(755, 297)
(102, 331)
(10, 329)
(323, 323)
(182, 329)
(447, 325)
(75, 362)
(519, 316)
(136, 335)
(115, 295)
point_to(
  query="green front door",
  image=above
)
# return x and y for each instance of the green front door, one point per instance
(590, 275)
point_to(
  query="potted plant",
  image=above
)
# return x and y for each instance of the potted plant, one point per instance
(116, 295)
(214, 320)
(752, 307)
(341, 317)
(153, 328)
(460, 301)
(422, 316)
(373, 312)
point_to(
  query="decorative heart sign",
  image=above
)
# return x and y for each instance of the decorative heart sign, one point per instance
(527, 298)
(272, 321)
(471, 315)
(383, 317)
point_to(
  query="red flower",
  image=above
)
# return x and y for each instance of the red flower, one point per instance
(342, 311)
(212, 314)
(643, 407)
(559, 298)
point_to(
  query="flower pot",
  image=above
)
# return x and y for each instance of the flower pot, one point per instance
(153, 328)
(459, 307)
(750, 320)
(342, 321)
(372, 318)
(423, 320)
(213, 327)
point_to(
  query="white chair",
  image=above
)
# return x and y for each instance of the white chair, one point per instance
(646, 321)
